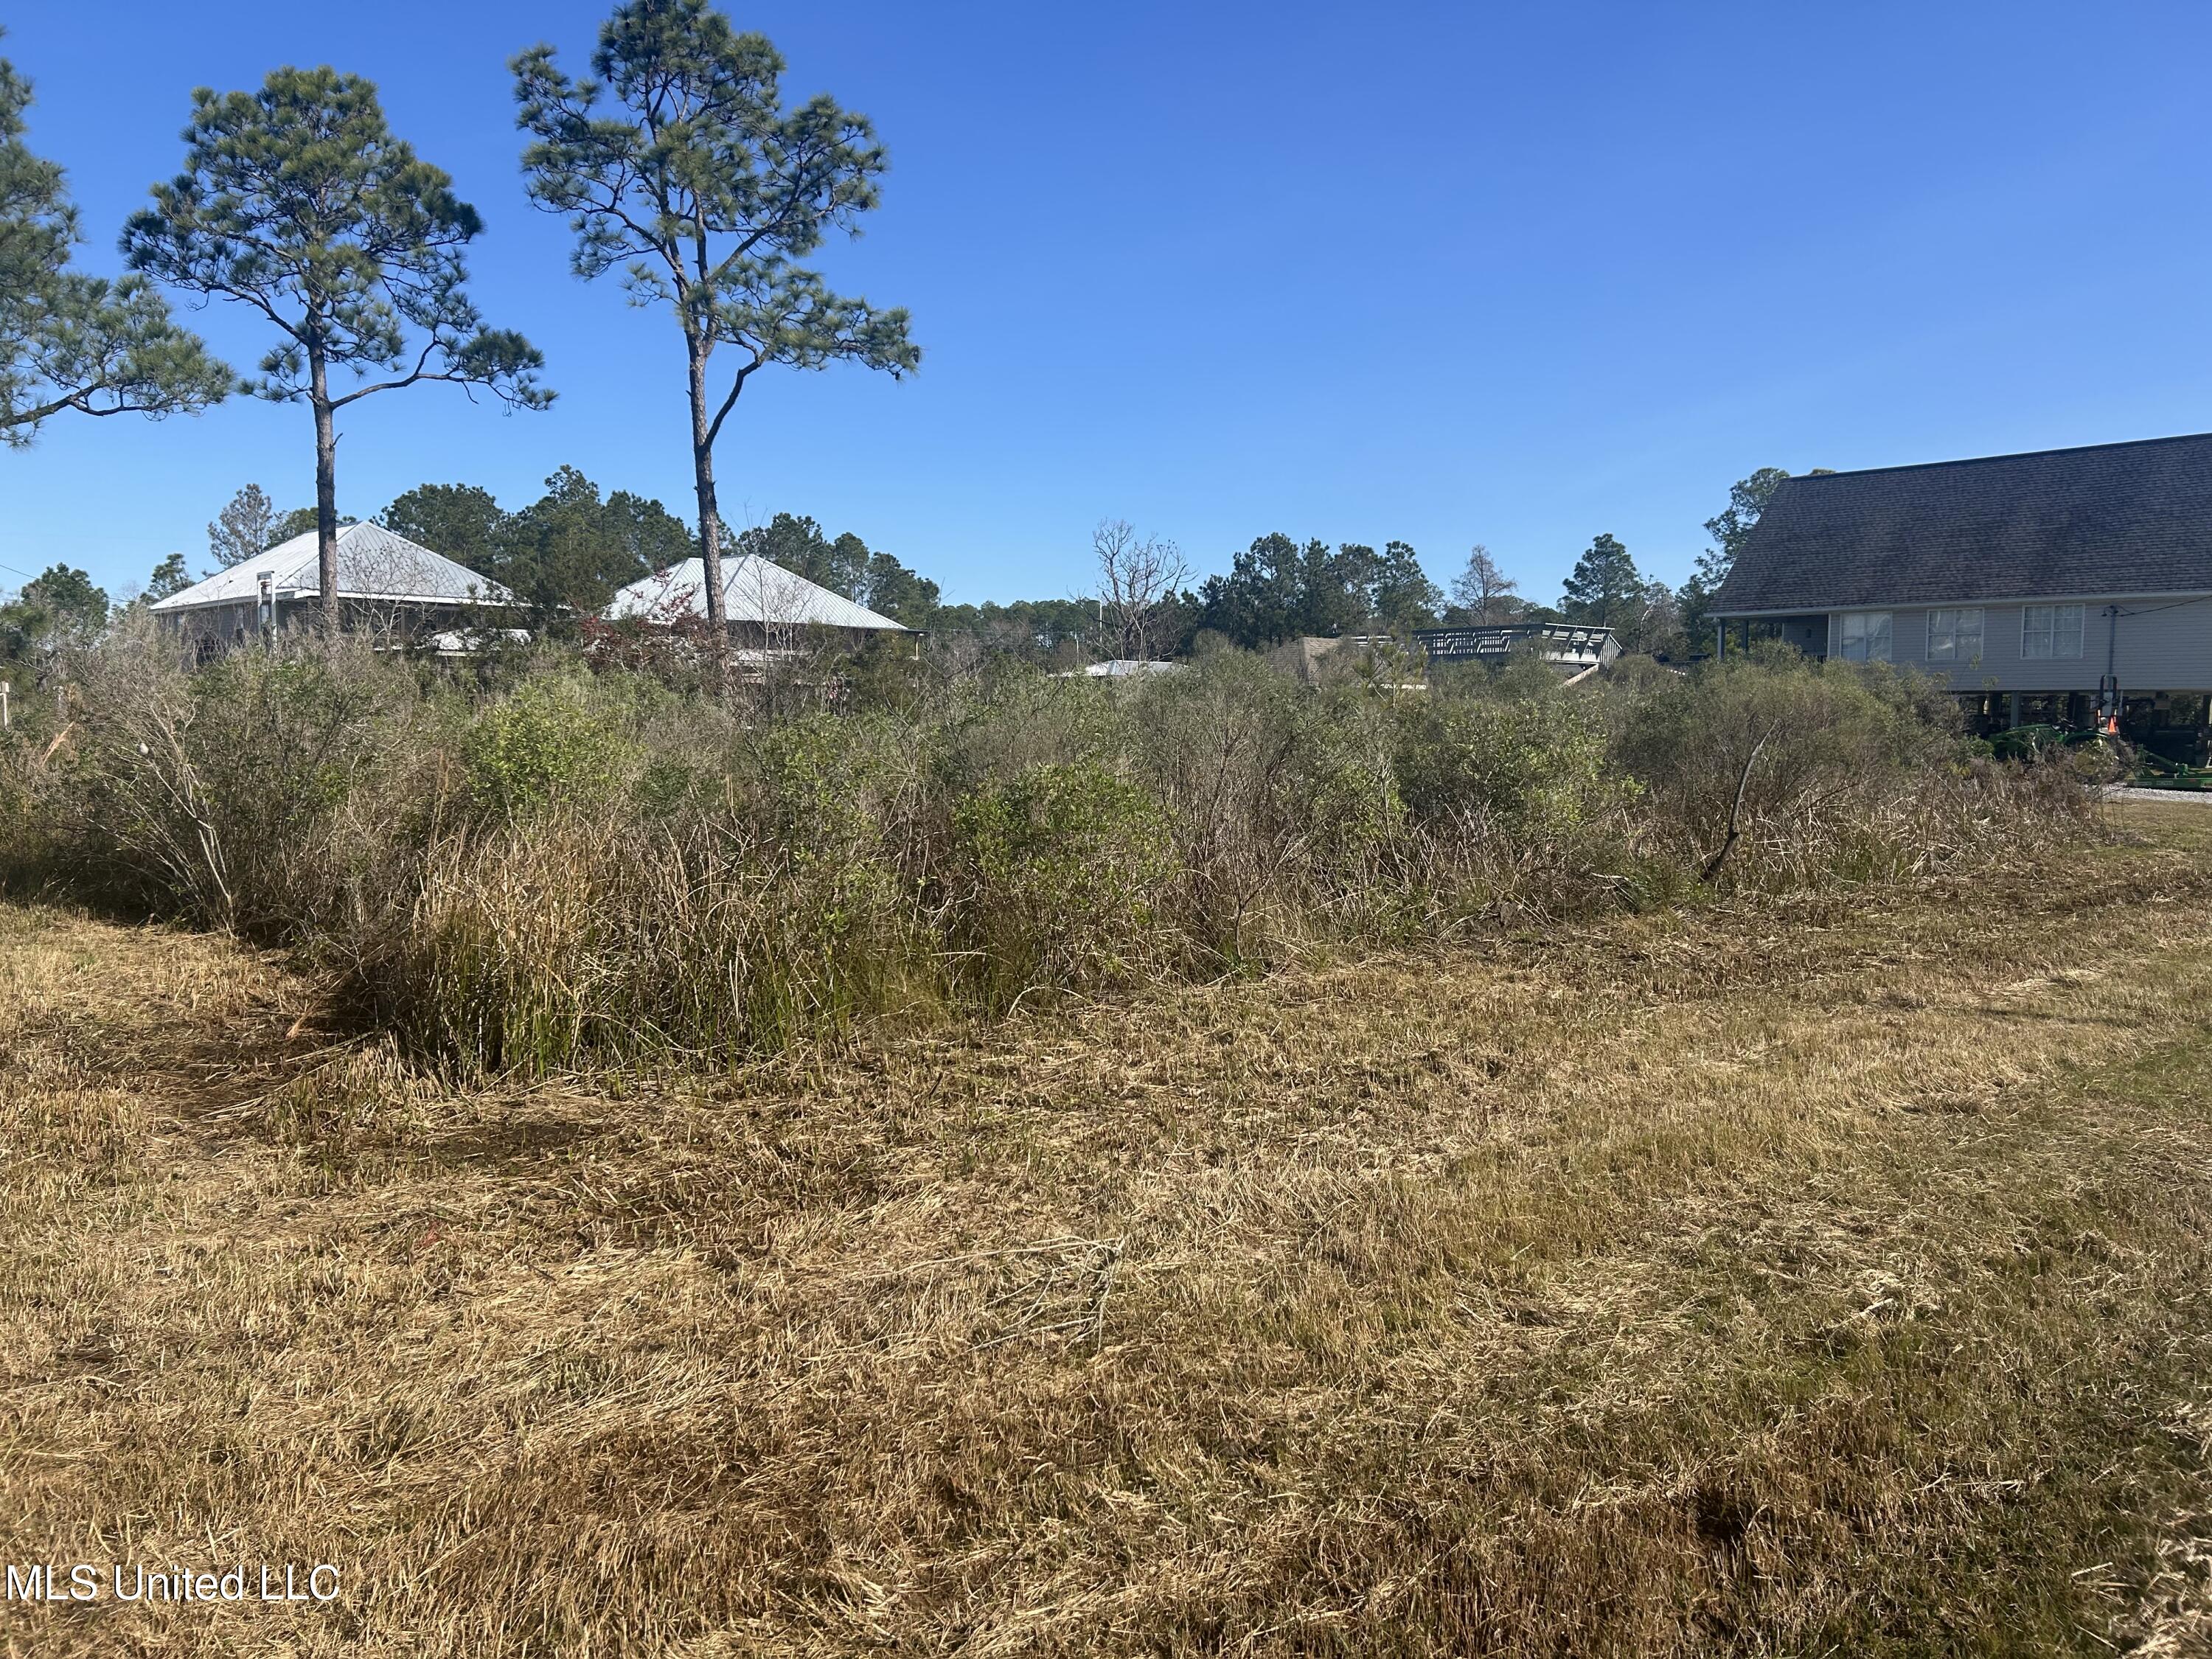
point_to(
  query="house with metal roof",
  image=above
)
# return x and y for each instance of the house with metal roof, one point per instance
(767, 607)
(2067, 586)
(387, 584)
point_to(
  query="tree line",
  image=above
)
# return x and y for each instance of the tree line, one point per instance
(565, 555)
(1279, 588)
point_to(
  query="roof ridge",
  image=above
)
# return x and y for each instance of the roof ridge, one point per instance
(2011, 455)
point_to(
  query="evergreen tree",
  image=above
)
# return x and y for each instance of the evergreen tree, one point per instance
(1030, 630)
(170, 576)
(566, 554)
(849, 558)
(894, 590)
(680, 167)
(650, 536)
(68, 340)
(1730, 528)
(299, 202)
(846, 566)
(1277, 589)
(303, 522)
(1265, 597)
(247, 525)
(1400, 595)
(60, 606)
(797, 544)
(1605, 588)
(462, 521)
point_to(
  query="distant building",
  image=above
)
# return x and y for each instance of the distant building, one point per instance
(2072, 586)
(768, 608)
(1571, 646)
(387, 585)
(1121, 668)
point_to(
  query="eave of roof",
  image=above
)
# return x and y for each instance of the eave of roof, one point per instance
(291, 567)
(752, 588)
(2178, 595)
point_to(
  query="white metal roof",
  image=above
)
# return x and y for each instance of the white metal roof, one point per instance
(753, 591)
(1121, 668)
(374, 563)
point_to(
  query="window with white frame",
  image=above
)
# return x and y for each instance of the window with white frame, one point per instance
(1863, 636)
(1954, 636)
(2050, 630)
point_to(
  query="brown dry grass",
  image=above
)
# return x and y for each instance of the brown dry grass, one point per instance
(1826, 1278)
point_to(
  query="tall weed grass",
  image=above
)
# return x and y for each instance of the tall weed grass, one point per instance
(568, 868)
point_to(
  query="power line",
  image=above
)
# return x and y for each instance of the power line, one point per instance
(2152, 611)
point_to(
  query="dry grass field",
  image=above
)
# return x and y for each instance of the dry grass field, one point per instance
(1832, 1278)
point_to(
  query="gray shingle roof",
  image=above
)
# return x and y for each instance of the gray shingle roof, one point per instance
(2112, 520)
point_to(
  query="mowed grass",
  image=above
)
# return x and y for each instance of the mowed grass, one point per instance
(1825, 1277)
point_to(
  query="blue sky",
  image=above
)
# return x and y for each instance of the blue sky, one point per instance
(1508, 274)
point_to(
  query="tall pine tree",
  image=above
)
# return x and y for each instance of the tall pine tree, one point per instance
(1605, 588)
(680, 167)
(297, 201)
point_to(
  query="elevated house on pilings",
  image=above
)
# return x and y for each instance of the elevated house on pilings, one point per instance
(2071, 587)
(398, 591)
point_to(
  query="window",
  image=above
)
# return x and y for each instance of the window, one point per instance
(1954, 636)
(2051, 630)
(1865, 636)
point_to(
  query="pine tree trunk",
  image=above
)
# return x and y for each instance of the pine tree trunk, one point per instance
(710, 521)
(326, 489)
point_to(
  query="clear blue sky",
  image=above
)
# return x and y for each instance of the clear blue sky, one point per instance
(1509, 274)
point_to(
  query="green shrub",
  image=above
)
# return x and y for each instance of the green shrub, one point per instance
(553, 865)
(1065, 867)
(542, 743)
(1532, 769)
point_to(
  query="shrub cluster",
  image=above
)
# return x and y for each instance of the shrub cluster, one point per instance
(573, 866)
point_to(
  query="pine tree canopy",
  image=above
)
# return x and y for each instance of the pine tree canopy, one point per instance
(704, 190)
(1605, 587)
(679, 166)
(69, 340)
(299, 202)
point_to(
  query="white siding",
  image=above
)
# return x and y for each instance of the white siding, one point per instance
(2164, 645)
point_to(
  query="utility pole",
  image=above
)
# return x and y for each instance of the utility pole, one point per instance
(2108, 689)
